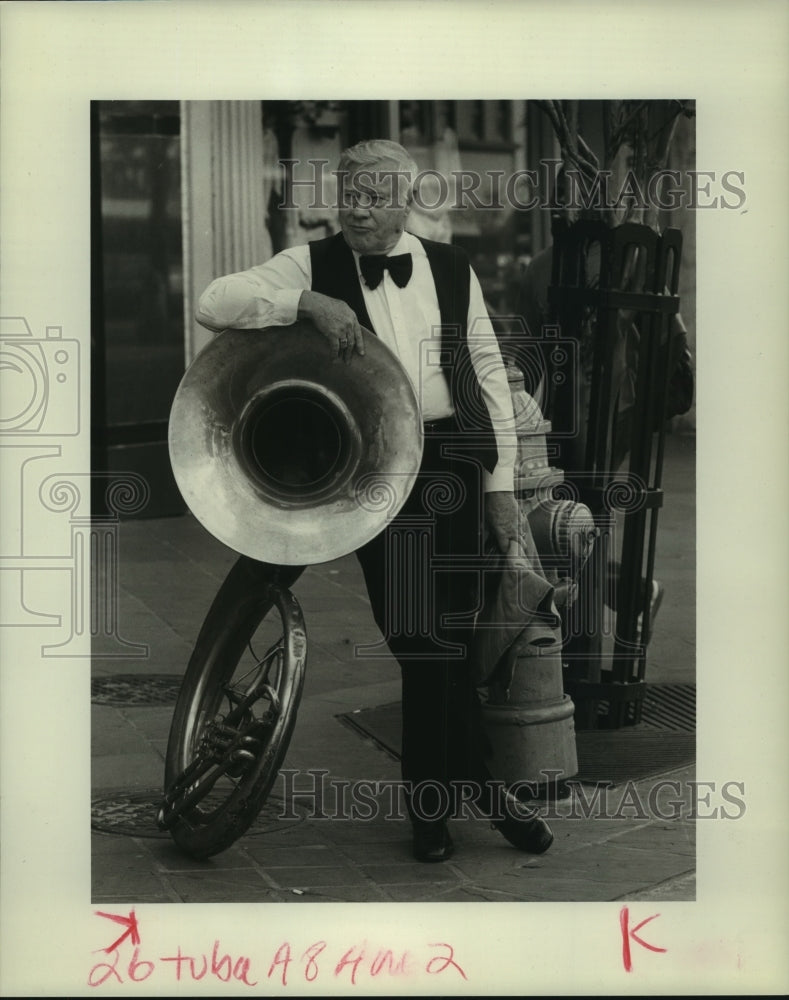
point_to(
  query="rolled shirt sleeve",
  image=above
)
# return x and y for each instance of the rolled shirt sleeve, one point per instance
(489, 367)
(265, 295)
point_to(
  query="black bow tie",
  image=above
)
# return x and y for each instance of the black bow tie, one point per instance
(400, 267)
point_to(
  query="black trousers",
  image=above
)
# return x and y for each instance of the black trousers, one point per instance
(423, 580)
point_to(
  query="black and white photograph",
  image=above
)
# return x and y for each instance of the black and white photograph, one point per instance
(387, 519)
(465, 595)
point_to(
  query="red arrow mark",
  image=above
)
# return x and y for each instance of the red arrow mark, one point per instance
(130, 923)
(630, 932)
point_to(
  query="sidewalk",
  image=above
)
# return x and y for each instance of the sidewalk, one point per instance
(169, 572)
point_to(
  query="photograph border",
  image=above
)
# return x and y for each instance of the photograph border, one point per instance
(58, 57)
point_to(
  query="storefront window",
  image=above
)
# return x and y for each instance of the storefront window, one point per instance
(141, 259)
(474, 140)
(137, 280)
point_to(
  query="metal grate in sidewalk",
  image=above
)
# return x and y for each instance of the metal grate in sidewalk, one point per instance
(664, 740)
(128, 690)
(133, 814)
(670, 706)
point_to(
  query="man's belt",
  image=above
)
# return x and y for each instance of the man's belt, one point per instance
(446, 425)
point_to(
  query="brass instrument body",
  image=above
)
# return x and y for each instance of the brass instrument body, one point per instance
(291, 456)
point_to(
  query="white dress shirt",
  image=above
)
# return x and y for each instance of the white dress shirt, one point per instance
(406, 319)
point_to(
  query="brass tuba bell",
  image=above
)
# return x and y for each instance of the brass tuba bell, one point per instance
(288, 455)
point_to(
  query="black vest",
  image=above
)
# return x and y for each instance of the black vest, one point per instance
(334, 274)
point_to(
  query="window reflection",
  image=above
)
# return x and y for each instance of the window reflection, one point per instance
(141, 260)
(476, 138)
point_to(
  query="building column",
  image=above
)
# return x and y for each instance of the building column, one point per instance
(224, 210)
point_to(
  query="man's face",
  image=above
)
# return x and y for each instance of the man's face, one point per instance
(373, 208)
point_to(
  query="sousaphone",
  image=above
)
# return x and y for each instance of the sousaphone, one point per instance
(289, 455)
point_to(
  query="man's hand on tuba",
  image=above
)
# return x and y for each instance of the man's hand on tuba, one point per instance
(335, 320)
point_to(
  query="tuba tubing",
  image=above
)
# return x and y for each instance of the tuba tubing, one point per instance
(288, 455)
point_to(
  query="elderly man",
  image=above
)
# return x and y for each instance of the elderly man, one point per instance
(422, 299)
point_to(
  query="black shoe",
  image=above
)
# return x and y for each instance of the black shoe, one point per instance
(432, 841)
(523, 826)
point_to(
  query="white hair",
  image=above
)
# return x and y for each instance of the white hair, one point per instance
(380, 154)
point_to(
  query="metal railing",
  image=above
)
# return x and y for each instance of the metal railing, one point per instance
(613, 299)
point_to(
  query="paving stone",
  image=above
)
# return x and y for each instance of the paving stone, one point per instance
(483, 869)
(109, 845)
(140, 625)
(291, 836)
(464, 894)
(168, 859)
(376, 853)
(360, 695)
(679, 838)
(560, 888)
(110, 731)
(497, 889)
(360, 835)
(367, 892)
(572, 836)
(313, 877)
(238, 886)
(132, 770)
(405, 873)
(149, 718)
(127, 880)
(314, 855)
(429, 890)
(613, 861)
(679, 889)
